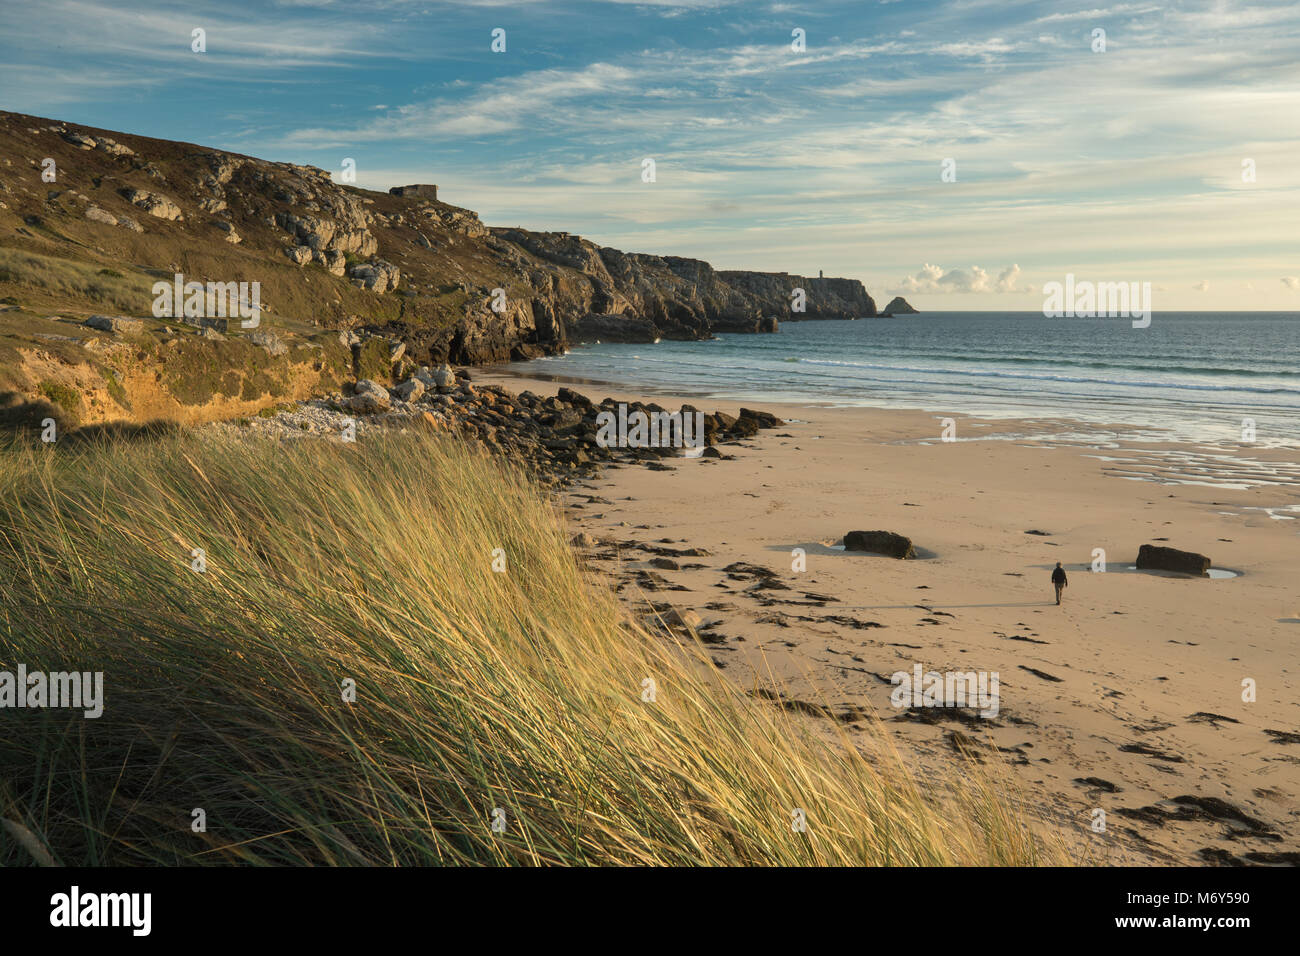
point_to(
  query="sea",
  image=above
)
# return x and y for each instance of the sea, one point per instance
(1202, 377)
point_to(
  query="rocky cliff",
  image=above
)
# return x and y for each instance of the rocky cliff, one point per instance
(91, 219)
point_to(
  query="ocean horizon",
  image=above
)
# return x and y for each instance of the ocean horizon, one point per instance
(1190, 376)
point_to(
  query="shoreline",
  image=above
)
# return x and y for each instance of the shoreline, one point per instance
(1133, 684)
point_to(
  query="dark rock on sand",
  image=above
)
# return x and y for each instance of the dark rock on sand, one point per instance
(1154, 558)
(880, 542)
(764, 419)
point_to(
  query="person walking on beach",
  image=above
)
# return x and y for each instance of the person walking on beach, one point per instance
(1059, 580)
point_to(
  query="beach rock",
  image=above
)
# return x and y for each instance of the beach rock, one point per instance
(1153, 557)
(682, 620)
(719, 421)
(570, 397)
(880, 542)
(369, 398)
(444, 377)
(764, 419)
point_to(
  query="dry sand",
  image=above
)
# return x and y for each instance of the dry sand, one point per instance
(1125, 698)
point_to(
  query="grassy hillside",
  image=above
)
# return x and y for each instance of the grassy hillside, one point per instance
(475, 689)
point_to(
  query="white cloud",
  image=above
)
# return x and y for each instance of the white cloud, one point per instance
(936, 279)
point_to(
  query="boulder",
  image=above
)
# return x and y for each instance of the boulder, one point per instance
(112, 147)
(1155, 558)
(764, 419)
(335, 263)
(444, 377)
(720, 421)
(269, 341)
(369, 398)
(114, 323)
(880, 542)
(155, 204)
(95, 214)
(232, 236)
(412, 390)
(378, 276)
(570, 397)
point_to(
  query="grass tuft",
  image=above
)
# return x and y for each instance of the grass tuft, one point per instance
(475, 690)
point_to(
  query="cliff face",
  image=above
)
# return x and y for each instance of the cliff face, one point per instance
(90, 219)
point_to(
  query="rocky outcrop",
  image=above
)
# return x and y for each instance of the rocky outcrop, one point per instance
(114, 323)
(613, 328)
(334, 258)
(774, 294)
(378, 276)
(880, 542)
(1155, 558)
(154, 204)
(419, 191)
(898, 306)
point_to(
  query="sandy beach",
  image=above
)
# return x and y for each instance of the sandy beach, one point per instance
(1127, 698)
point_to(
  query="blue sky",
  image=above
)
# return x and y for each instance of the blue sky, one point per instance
(1122, 165)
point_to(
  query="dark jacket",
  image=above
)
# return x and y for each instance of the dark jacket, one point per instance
(1058, 576)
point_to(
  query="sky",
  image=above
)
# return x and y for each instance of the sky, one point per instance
(961, 154)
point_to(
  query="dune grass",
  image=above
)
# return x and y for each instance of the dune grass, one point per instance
(475, 690)
(81, 282)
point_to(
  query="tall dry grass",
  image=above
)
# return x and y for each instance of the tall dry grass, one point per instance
(475, 690)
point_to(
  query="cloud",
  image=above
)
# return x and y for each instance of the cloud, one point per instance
(1202, 286)
(936, 279)
(1291, 282)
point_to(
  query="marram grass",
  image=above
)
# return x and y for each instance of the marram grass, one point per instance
(475, 690)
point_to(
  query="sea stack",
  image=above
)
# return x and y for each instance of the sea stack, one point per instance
(898, 306)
